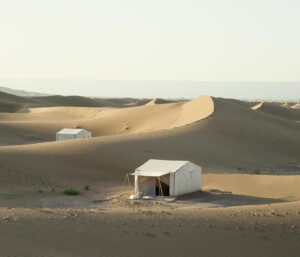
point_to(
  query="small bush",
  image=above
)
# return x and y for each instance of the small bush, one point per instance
(87, 187)
(40, 191)
(257, 172)
(240, 168)
(71, 191)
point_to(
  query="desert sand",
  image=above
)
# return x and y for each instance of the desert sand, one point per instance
(250, 153)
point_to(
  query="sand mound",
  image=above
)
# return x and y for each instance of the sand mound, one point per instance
(45, 122)
(67, 101)
(79, 101)
(196, 110)
(12, 104)
(233, 139)
(279, 111)
(257, 106)
(159, 101)
(296, 106)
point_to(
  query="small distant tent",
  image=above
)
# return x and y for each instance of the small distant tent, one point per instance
(68, 134)
(167, 178)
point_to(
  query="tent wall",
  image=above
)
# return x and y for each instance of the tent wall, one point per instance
(81, 134)
(84, 134)
(62, 137)
(187, 180)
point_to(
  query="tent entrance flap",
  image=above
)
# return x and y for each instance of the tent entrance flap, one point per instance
(154, 186)
(147, 185)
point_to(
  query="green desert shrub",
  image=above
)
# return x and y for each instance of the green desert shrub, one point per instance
(257, 172)
(87, 187)
(71, 191)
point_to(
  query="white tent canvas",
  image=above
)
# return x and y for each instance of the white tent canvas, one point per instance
(170, 178)
(69, 134)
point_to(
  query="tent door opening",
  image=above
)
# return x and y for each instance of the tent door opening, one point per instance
(154, 186)
(162, 189)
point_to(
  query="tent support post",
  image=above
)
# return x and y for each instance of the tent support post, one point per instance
(127, 179)
(160, 187)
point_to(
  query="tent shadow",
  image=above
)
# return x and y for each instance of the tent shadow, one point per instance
(224, 199)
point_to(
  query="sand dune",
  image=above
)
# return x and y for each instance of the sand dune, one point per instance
(279, 111)
(296, 106)
(14, 104)
(243, 214)
(45, 122)
(257, 106)
(159, 101)
(79, 101)
(233, 139)
(11, 103)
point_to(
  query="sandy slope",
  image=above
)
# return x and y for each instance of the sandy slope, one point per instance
(45, 122)
(284, 112)
(11, 103)
(278, 187)
(14, 104)
(235, 139)
(257, 215)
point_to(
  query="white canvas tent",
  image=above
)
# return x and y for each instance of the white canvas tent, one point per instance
(169, 178)
(68, 134)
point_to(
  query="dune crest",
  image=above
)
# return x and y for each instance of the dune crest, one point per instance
(279, 111)
(257, 107)
(158, 101)
(45, 122)
(296, 106)
(196, 110)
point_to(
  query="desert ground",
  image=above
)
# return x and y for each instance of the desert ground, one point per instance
(249, 151)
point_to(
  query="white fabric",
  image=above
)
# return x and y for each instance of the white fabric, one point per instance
(158, 168)
(165, 179)
(147, 185)
(70, 131)
(150, 174)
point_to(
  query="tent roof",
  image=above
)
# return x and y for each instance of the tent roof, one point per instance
(158, 168)
(70, 131)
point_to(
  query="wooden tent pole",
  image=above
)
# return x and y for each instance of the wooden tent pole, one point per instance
(127, 179)
(160, 187)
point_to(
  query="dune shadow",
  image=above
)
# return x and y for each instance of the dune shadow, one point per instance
(217, 198)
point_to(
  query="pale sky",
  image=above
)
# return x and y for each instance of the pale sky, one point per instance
(166, 40)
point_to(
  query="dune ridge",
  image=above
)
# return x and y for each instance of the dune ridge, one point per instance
(221, 143)
(14, 104)
(159, 101)
(45, 122)
(296, 106)
(257, 106)
(279, 111)
(221, 135)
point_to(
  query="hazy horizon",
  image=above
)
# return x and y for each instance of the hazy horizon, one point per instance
(159, 89)
(217, 40)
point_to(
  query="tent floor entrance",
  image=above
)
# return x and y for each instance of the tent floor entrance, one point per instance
(162, 188)
(152, 186)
